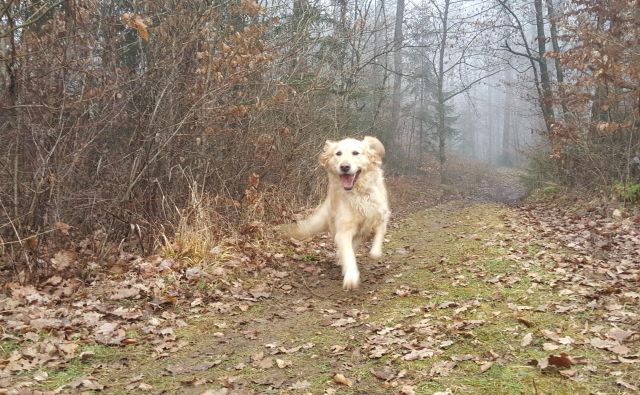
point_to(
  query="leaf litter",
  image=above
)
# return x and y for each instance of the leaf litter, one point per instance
(145, 299)
(567, 260)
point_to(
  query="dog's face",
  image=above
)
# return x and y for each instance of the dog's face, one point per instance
(348, 158)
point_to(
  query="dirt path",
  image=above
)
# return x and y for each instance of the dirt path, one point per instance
(458, 304)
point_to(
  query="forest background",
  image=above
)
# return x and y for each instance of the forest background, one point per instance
(145, 122)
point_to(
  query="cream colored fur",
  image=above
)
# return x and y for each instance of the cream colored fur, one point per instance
(350, 216)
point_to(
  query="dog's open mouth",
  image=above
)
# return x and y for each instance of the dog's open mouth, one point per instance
(349, 180)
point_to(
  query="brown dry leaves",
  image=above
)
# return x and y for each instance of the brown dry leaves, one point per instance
(134, 304)
(589, 257)
(136, 22)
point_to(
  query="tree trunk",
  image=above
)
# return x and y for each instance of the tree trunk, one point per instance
(441, 128)
(380, 41)
(545, 81)
(422, 107)
(397, 69)
(533, 60)
(556, 48)
(507, 127)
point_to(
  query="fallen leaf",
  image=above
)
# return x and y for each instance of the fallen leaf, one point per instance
(300, 385)
(338, 349)
(62, 227)
(626, 385)
(442, 368)
(86, 383)
(486, 366)
(179, 369)
(343, 322)
(446, 343)
(524, 321)
(551, 335)
(619, 334)
(620, 349)
(339, 378)
(561, 361)
(526, 340)
(63, 259)
(40, 375)
(447, 304)
(568, 372)
(542, 363)
(462, 358)
(407, 390)
(566, 340)
(283, 363)
(266, 363)
(384, 373)
(418, 354)
(125, 293)
(54, 280)
(377, 352)
(221, 391)
(600, 343)
(45, 323)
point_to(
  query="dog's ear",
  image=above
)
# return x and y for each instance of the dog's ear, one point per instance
(327, 152)
(375, 146)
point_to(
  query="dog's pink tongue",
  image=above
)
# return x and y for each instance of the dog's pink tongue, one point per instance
(347, 180)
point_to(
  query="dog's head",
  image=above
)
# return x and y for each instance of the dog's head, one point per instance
(348, 158)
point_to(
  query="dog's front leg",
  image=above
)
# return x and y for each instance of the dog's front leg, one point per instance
(347, 258)
(378, 238)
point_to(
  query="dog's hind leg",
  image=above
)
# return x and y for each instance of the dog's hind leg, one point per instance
(378, 238)
(347, 258)
(316, 223)
(357, 242)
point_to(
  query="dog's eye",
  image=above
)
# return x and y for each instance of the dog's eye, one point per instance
(355, 153)
(338, 153)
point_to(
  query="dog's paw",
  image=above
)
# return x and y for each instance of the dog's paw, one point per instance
(351, 280)
(375, 253)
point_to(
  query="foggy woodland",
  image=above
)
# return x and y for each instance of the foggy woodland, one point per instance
(149, 149)
(124, 115)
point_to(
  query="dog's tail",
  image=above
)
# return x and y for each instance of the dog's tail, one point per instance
(316, 223)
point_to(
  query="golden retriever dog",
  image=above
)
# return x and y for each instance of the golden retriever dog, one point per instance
(356, 205)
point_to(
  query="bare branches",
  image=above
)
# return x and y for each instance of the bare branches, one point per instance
(468, 85)
(525, 55)
(35, 16)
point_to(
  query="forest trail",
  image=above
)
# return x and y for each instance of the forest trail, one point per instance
(465, 300)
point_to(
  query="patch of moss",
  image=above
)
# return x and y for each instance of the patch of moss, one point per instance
(7, 347)
(78, 368)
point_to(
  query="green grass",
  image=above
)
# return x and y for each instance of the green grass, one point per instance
(501, 333)
(7, 347)
(77, 368)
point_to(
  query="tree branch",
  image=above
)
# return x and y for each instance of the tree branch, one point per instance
(468, 86)
(508, 49)
(37, 15)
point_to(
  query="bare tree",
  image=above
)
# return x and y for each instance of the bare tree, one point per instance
(539, 69)
(450, 65)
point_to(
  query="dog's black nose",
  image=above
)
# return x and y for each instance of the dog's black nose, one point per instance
(345, 168)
